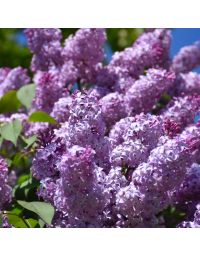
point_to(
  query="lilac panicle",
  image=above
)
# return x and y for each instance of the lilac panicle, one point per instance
(45, 44)
(86, 124)
(188, 83)
(187, 58)
(49, 88)
(5, 189)
(149, 50)
(182, 110)
(81, 187)
(140, 137)
(147, 90)
(85, 49)
(164, 170)
(13, 80)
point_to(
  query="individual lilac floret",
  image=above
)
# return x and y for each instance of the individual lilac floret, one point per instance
(165, 169)
(113, 108)
(48, 90)
(182, 110)
(45, 44)
(60, 110)
(188, 83)
(5, 190)
(149, 50)
(81, 186)
(192, 224)
(85, 49)
(14, 79)
(187, 58)
(146, 91)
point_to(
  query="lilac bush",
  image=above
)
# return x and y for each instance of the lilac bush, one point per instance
(101, 144)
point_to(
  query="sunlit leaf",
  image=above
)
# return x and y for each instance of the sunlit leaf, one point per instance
(41, 117)
(16, 221)
(44, 210)
(26, 95)
(11, 131)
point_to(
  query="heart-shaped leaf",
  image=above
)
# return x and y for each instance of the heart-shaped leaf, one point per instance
(26, 95)
(41, 117)
(11, 131)
(9, 102)
(44, 210)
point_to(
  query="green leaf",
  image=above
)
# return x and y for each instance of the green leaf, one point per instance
(23, 178)
(44, 210)
(41, 117)
(11, 131)
(26, 95)
(9, 162)
(16, 221)
(17, 210)
(29, 141)
(9, 102)
(32, 223)
(41, 223)
(1, 140)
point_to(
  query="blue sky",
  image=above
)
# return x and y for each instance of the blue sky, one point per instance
(182, 37)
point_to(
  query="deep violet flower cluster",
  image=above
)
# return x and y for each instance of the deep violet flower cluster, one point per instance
(5, 189)
(119, 154)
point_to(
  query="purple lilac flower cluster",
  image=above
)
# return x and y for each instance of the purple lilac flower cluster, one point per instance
(5, 189)
(118, 156)
(120, 165)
